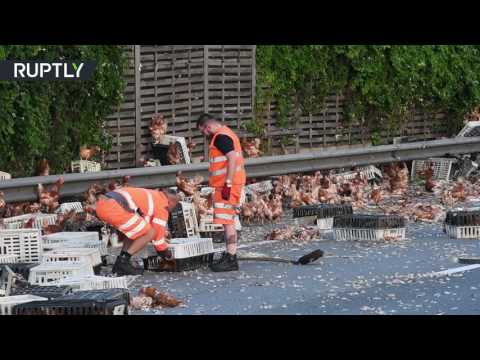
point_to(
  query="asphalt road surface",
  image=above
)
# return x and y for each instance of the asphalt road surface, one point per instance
(393, 278)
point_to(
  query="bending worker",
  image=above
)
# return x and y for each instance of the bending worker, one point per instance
(227, 176)
(141, 215)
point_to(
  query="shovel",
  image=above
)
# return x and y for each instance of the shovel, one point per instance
(304, 260)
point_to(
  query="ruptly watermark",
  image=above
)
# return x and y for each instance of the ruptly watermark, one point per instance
(46, 70)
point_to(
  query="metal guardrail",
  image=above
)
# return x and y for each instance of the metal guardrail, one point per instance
(25, 189)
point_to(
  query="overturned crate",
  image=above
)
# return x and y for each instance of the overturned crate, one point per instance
(463, 224)
(442, 168)
(81, 239)
(61, 306)
(182, 221)
(8, 259)
(75, 255)
(47, 273)
(187, 254)
(324, 213)
(7, 303)
(368, 173)
(369, 227)
(49, 292)
(31, 221)
(5, 176)
(26, 244)
(93, 282)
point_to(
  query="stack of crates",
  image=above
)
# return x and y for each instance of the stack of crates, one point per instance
(369, 227)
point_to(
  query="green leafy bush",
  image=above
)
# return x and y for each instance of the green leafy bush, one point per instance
(52, 119)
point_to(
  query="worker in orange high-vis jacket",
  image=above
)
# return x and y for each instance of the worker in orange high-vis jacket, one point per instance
(141, 215)
(227, 175)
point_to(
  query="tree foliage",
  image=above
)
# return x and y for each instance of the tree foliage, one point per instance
(381, 83)
(52, 119)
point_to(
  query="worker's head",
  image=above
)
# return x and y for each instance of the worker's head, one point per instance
(172, 198)
(208, 124)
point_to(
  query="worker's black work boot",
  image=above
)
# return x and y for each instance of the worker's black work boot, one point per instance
(227, 262)
(123, 266)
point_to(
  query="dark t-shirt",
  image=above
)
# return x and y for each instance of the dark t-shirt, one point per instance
(224, 143)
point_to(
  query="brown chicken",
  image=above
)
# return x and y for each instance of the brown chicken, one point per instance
(159, 298)
(190, 146)
(285, 233)
(115, 184)
(376, 195)
(88, 153)
(173, 155)
(158, 128)
(42, 168)
(252, 147)
(188, 186)
(49, 199)
(3, 203)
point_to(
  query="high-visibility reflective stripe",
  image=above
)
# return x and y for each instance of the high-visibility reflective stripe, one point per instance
(158, 242)
(159, 222)
(219, 172)
(224, 216)
(150, 206)
(218, 159)
(136, 230)
(222, 206)
(129, 223)
(127, 196)
(224, 171)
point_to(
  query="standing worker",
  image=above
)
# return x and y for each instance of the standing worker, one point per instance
(227, 177)
(141, 215)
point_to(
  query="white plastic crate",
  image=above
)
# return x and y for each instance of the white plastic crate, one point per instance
(190, 218)
(5, 176)
(368, 173)
(26, 244)
(102, 248)
(68, 236)
(349, 234)
(40, 220)
(168, 139)
(441, 167)
(463, 232)
(88, 255)
(8, 259)
(67, 207)
(93, 282)
(469, 127)
(260, 187)
(8, 302)
(207, 225)
(83, 166)
(325, 224)
(46, 273)
(183, 248)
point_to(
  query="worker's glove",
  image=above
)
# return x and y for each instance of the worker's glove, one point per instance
(165, 254)
(226, 193)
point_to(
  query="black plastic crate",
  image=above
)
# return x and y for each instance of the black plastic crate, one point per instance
(99, 295)
(21, 268)
(369, 221)
(49, 292)
(323, 211)
(463, 218)
(72, 307)
(176, 223)
(153, 263)
(160, 153)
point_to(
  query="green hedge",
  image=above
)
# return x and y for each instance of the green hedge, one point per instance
(53, 118)
(381, 83)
